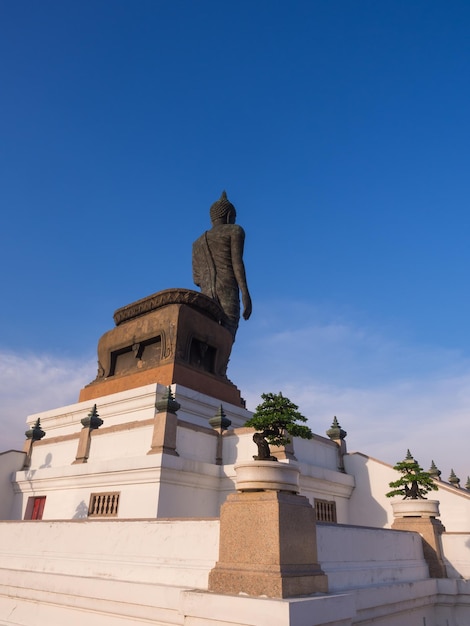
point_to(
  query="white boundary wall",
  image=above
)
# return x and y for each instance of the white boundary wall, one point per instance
(370, 507)
(104, 573)
(10, 462)
(456, 548)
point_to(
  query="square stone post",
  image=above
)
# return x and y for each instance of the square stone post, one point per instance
(165, 425)
(219, 423)
(420, 516)
(32, 434)
(267, 536)
(89, 423)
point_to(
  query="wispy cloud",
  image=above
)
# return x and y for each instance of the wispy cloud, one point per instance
(389, 395)
(31, 383)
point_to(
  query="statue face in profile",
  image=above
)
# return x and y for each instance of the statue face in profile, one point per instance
(218, 267)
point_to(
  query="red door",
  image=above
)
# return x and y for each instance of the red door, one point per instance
(38, 507)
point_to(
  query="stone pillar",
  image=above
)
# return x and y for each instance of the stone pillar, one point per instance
(220, 423)
(268, 538)
(420, 516)
(89, 423)
(165, 425)
(338, 435)
(32, 434)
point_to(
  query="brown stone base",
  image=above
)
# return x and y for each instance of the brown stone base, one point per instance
(225, 391)
(267, 547)
(275, 584)
(173, 336)
(430, 530)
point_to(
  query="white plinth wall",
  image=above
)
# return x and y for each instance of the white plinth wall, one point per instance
(150, 562)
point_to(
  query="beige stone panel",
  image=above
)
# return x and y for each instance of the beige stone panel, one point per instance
(164, 434)
(430, 530)
(267, 546)
(83, 448)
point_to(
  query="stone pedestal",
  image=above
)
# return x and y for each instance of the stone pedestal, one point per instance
(420, 516)
(173, 336)
(267, 546)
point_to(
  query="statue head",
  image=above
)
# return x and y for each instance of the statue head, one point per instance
(223, 210)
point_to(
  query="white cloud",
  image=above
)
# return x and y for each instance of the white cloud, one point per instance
(385, 421)
(388, 395)
(32, 383)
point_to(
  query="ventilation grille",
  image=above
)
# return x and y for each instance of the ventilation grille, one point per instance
(325, 510)
(104, 504)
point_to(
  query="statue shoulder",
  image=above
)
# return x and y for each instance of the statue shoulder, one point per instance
(235, 229)
(200, 240)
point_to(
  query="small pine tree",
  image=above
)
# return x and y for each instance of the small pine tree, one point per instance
(277, 418)
(414, 482)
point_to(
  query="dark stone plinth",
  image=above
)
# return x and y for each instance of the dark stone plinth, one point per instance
(196, 300)
(173, 336)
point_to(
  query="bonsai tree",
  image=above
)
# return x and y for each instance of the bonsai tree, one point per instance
(277, 420)
(414, 482)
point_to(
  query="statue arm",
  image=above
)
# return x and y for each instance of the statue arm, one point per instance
(196, 277)
(196, 263)
(237, 245)
(203, 266)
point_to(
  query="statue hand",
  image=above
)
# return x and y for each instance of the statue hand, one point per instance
(247, 308)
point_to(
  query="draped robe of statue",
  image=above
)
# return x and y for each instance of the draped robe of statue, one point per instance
(218, 267)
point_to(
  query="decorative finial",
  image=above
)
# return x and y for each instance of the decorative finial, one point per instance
(36, 433)
(167, 403)
(220, 421)
(434, 471)
(336, 432)
(467, 484)
(92, 420)
(409, 457)
(453, 479)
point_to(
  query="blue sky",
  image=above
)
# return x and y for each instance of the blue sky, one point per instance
(340, 131)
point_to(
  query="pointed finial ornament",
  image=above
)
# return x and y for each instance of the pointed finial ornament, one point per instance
(467, 484)
(453, 479)
(434, 471)
(336, 432)
(167, 403)
(220, 421)
(35, 433)
(92, 420)
(409, 457)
